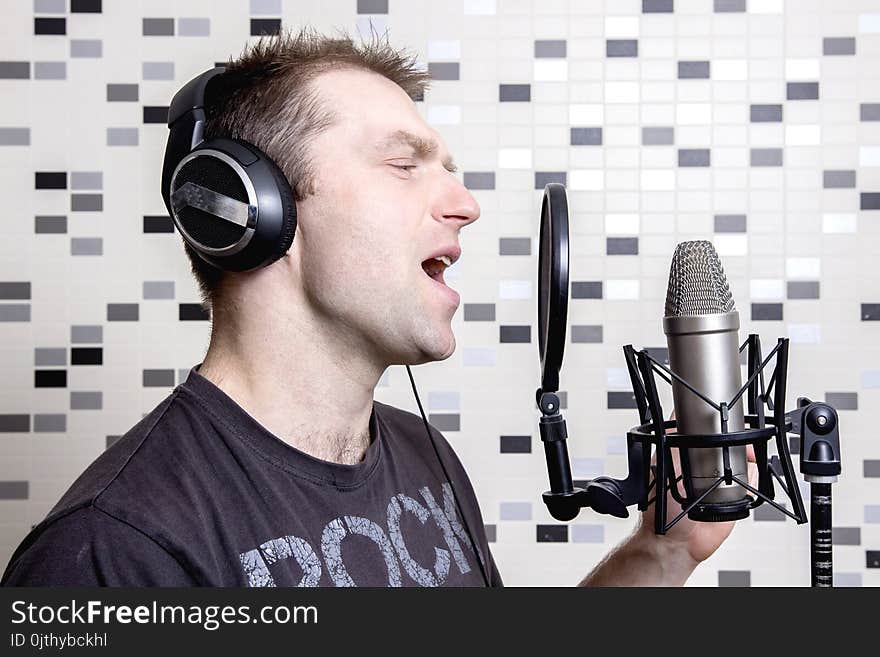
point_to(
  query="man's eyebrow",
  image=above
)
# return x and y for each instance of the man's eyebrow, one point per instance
(423, 147)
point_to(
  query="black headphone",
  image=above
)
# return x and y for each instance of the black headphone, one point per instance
(234, 206)
(231, 203)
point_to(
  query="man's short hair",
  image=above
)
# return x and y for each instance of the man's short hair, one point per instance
(270, 102)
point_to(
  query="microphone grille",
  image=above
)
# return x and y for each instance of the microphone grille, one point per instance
(697, 282)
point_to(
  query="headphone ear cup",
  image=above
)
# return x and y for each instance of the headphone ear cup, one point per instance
(288, 205)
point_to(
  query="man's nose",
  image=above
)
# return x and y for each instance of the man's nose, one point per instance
(457, 203)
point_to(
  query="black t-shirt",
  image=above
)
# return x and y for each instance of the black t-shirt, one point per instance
(198, 493)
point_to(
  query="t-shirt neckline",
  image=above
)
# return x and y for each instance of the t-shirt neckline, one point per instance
(278, 452)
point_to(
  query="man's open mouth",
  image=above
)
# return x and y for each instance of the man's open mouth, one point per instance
(434, 268)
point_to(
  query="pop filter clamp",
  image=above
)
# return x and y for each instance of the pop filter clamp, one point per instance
(815, 422)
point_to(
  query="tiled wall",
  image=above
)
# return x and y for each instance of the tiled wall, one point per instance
(753, 123)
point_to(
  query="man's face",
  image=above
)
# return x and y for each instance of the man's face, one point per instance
(385, 204)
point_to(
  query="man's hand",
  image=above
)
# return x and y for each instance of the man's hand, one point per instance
(646, 559)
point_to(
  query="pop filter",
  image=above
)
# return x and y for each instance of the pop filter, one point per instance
(552, 285)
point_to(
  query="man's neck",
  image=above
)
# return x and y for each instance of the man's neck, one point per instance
(301, 384)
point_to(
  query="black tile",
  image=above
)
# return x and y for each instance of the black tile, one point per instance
(771, 312)
(555, 534)
(50, 180)
(872, 558)
(85, 6)
(155, 114)
(794, 445)
(870, 200)
(15, 423)
(86, 356)
(50, 26)
(50, 378)
(15, 290)
(514, 444)
(802, 90)
(193, 312)
(158, 224)
(871, 312)
(515, 333)
(621, 399)
(514, 93)
(660, 354)
(265, 26)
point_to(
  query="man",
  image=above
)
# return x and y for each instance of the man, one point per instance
(272, 464)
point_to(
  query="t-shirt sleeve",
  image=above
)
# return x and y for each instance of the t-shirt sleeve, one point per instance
(89, 547)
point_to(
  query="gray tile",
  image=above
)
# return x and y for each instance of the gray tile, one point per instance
(846, 535)
(14, 490)
(86, 401)
(122, 312)
(15, 136)
(122, 136)
(765, 113)
(372, 6)
(587, 533)
(734, 578)
(158, 27)
(49, 224)
(658, 136)
(803, 289)
(839, 179)
(768, 513)
(693, 70)
(122, 93)
(158, 289)
(158, 378)
(586, 333)
(110, 440)
(869, 112)
(86, 246)
(730, 223)
(514, 93)
(802, 90)
(479, 312)
(50, 422)
(871, 468)
(843, 401)
(586, 289)
(445, 421)
(15, 289)
(15, 70)
(586, 136)
(479, 179)
(86, 180)
(157, 70)
(50, 6)
(86, 202)
(622, 246)
(550, 48)
(544, 178)
(872, 513)
(515, 246)
(86, 48)
(15, 423)
(847, 580)
(622, 48)
(50, 70)
(729, 6)
(266, 7)
(839, 46)
(770, 312)
(15, 312)
(515, 334)
(694, 157)
(657, 6)
(443, 70)
(765, 157)
(86, 334)
(49, 356)
(194, 27)
(515, 511)
(490, 533)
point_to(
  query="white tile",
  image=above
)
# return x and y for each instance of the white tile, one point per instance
(622, 224)
(479, 7)
(803, 267)
(515, 158)
(658, 180)
(803, 135)
(586, 114)
(802, 69)
(444, 50)
(621, 92)
(869, 156)
(621, 289)
(514, 289)
(729, 69)
(869, 23)
(621, 27)
(731, 245)
(766, 6)
(804, 333)
(586, 179)
(444, 114)
(839, 222)
(551, 70)
(693, 113)
(766, 289)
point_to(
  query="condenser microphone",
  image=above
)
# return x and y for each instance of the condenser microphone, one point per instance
(702, 332)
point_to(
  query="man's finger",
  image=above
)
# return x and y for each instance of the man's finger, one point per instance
(750, 454)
